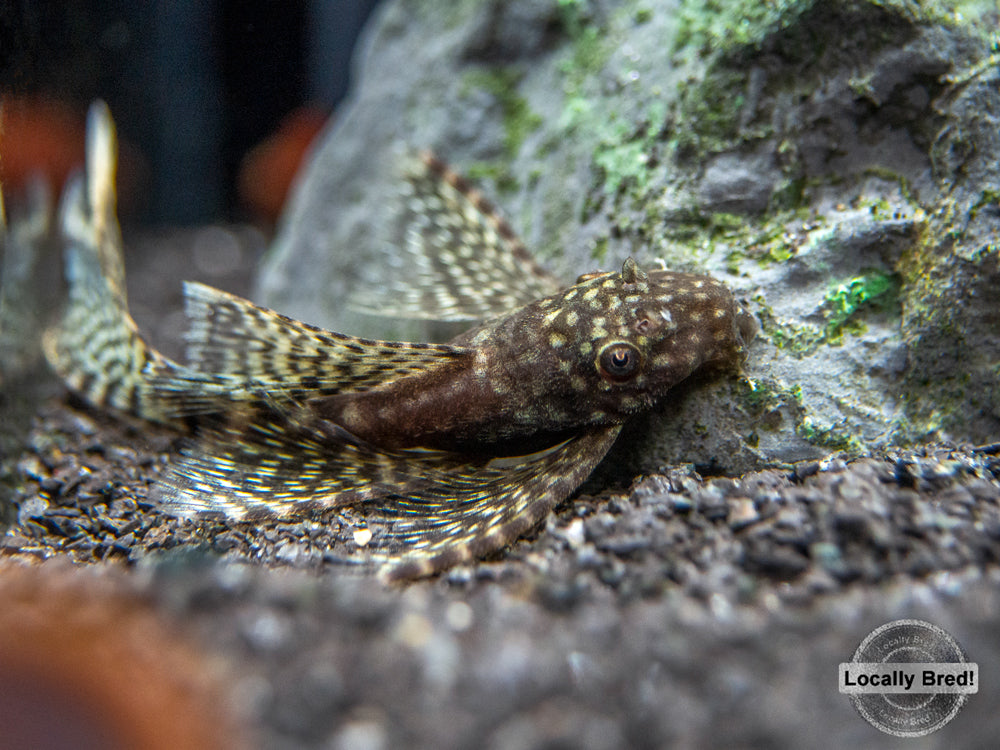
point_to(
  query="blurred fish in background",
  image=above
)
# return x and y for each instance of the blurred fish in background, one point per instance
(269, 169)
(40, 137)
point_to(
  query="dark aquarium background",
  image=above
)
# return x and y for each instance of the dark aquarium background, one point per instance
(194, 88)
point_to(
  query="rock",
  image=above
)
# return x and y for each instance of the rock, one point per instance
(733, 183)
(834, 162)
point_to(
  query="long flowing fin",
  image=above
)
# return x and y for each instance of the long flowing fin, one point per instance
(237, 352)
(478, 510)
(96, 348)
(427, 510)
(260, 462)
(258, 353)
(457, 258)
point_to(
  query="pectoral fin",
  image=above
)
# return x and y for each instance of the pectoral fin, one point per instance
(466, 515)
(428, 510)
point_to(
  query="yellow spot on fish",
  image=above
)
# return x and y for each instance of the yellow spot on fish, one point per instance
(481, 364)
(662, 360)
(351, 413)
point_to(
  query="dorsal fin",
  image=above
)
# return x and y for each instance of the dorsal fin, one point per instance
(461, 259)
(238, 351)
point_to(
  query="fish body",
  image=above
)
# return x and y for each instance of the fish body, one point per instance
(594, 354)
(453, 449)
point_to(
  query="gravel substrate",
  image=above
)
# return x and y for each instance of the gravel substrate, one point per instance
(85, 478)
(704, 611)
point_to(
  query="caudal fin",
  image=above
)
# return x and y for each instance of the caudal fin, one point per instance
(96, 348)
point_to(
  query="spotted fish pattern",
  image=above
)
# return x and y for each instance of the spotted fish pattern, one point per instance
(452, 451)
(460, 259)
(97, 349)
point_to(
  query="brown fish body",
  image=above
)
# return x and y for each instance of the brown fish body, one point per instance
(594, 354)
(454, 449)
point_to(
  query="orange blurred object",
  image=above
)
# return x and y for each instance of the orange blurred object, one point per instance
(86, 663)
(269, 168)
(39, 136)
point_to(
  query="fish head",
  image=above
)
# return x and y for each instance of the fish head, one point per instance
(623, 339)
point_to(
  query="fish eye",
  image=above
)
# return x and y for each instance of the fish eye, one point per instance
(619, 361)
